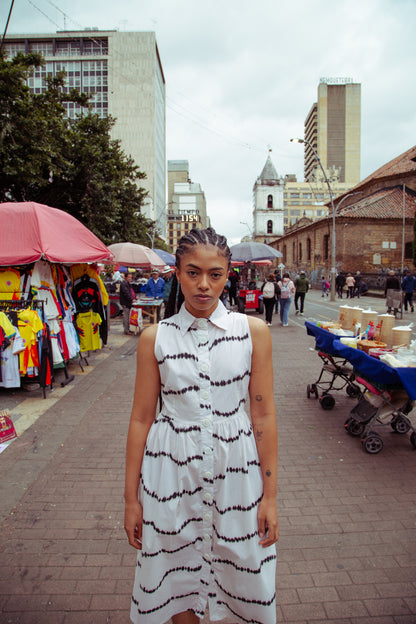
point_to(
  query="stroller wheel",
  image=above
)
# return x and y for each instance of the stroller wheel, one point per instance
(372, 443)
(327, 401)
(400, 424)
(354, 427)
(353, 390)
(413, 439)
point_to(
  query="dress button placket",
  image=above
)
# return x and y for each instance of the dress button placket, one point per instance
(207, 468)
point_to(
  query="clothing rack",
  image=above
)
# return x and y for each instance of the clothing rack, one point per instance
(35, 304)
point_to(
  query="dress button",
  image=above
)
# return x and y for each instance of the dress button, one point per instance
(206, 422)
(202, 323)
(204, 367)
(208, 474)
(207, 557)
(207, 497)
(207, 450)
(207, 537)
(207, 517)
(205, 394)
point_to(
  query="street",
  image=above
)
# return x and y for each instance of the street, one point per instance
(347, 547)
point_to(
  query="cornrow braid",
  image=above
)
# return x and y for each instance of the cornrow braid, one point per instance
(202, 237)
(194, 237)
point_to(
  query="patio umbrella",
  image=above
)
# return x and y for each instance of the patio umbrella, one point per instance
(249, 251)
(166, 256)
(32, 231)
(133, 255)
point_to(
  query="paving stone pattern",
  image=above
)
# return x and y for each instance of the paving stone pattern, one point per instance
(347, 551)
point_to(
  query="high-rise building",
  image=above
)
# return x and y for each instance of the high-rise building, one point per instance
(186, 202)
(123, 74)
(333, 127)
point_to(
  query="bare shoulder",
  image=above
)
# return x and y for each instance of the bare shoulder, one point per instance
(147, 338)
(258, 328)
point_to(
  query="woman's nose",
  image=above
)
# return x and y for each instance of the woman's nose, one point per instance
(203, 282)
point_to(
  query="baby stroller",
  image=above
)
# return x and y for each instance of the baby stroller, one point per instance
(336, 374)
(390, 406)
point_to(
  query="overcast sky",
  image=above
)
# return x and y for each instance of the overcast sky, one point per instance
(241, 76)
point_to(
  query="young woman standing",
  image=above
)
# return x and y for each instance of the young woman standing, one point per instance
(201, 476)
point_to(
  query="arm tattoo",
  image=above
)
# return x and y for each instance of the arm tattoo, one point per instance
(268, 473)
(259, 397)
(259, 436)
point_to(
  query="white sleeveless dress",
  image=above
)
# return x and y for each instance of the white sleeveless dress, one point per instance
(201, 481)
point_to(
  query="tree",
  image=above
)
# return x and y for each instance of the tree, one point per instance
(73, 165)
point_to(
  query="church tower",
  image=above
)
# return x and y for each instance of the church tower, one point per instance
(268, 212)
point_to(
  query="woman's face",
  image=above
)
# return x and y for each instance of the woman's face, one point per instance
(203, 274)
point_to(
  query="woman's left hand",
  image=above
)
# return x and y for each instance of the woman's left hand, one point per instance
(268, 522)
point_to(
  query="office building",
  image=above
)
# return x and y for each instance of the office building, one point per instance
(123, 74)
(333, 127)
(186, 203)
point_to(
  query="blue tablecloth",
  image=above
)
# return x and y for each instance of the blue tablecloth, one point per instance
(364, 364)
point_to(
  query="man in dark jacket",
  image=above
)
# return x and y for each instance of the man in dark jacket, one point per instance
(302, 287)
(392, 293)
(127, 297)
(408, 286)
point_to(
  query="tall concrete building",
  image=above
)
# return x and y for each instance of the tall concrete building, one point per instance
(187, 206)
(333, 127)
(122, 72)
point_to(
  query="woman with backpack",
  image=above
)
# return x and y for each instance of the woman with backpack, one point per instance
(287, 290)
(270, 292)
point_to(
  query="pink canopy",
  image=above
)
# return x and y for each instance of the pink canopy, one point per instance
(31, 231)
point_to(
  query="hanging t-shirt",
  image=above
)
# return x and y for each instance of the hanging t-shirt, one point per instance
(43, 288)
(9, 284)
(88, 324)
(6, 325)
(10, 376)
(29, 324)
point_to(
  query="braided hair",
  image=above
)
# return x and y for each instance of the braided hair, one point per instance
(189, 240)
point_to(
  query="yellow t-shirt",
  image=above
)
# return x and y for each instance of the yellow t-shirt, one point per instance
(88, 325)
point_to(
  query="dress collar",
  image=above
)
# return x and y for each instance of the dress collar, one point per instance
(219, 318)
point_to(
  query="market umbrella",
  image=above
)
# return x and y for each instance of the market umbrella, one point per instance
(249, 251)
(32, 231)
(133, 255)
(167, 257)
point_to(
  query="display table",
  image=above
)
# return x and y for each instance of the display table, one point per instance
(149, 308)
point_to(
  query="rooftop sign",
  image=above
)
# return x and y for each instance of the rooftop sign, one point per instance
(335, 81)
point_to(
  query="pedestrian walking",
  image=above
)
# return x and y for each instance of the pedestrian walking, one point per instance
(408, 286)
(350, 283)
(277, 279)
(302, 287)
(287, 290)
(201, 477)
(339, 284)
(234, 279)
(270, 290)
(167, 276)
(357, 284)
(325, 286)
(393, 293)
(126, 296)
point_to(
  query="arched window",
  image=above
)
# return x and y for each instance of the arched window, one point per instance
(284, 253)
(269, 226)
(308, 249)
(326, 247)
(294, 251)
(300, 252)
(270, 201)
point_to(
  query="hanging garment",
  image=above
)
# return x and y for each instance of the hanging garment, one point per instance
(29, 324)
(43, 288)
(9, 284)
(9, 362)
(88, 324)
(87, 296)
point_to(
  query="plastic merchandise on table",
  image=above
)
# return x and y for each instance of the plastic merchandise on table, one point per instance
(324, 339)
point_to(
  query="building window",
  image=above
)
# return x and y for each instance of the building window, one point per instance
(300, 252)
(326, 247)
(307, 195)
(295, 194)
(294, 252)
(270, 201)
(269, 226)
(308, 249)
(284, 253)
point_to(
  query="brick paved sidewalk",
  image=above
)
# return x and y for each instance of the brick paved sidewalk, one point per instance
(348, 542)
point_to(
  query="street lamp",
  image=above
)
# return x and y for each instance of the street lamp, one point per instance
(333, 267)
(249, 228)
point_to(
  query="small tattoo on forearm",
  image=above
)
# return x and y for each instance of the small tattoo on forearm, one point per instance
(268, 473)
(259, 435)
(259, 397)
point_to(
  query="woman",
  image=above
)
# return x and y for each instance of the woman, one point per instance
(270, 291)
(287, 290)
(201, 477)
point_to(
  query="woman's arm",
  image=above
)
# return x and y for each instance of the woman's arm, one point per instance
(146, 392)
(263, 417)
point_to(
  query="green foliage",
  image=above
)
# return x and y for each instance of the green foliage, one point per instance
(73, 165)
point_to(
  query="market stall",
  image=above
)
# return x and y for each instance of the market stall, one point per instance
(52, 300)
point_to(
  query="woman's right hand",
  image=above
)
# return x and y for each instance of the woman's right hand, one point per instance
(133, 522)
